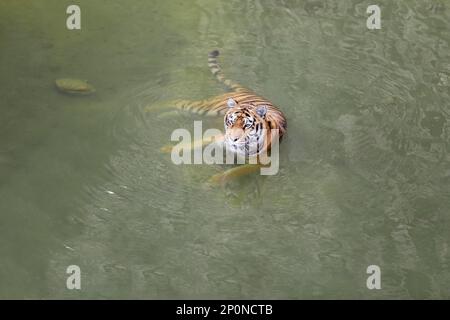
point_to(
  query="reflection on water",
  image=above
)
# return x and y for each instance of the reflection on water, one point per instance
(364, 172)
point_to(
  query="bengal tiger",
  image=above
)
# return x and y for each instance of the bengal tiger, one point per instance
(248, 120)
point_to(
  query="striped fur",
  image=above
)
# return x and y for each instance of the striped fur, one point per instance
(216, 70)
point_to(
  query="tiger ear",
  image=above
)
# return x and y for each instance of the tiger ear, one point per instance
(261, 110)
(231, 103)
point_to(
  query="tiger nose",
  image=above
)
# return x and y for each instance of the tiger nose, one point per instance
(235, 134)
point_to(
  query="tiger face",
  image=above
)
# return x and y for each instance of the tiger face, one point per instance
(245, 126)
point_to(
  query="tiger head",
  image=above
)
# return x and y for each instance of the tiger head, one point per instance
(245, 128)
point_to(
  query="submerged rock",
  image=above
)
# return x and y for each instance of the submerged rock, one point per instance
(74, 86)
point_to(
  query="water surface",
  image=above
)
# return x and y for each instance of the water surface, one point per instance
(365, 168)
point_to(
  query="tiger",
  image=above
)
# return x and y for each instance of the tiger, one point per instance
(249, 119)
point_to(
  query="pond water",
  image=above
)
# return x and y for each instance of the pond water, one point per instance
(365, 168)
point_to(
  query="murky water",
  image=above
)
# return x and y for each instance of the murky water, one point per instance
(365, 168)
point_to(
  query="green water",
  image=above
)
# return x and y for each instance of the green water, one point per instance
(365, 168)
